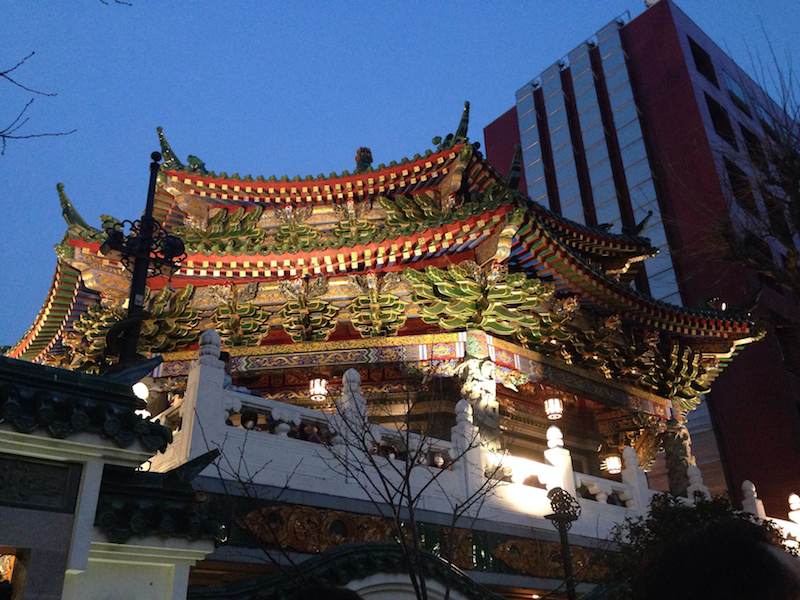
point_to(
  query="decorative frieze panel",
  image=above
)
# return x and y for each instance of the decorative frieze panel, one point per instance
(38, 484)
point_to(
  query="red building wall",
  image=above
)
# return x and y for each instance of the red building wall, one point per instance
(500, 138)
(754, 404)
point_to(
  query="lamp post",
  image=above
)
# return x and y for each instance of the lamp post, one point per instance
(566, 511)
(146, 250)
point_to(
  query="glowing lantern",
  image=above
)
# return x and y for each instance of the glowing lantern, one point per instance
(318, 389)
(554, 408)
(140, 390)
(613, 464)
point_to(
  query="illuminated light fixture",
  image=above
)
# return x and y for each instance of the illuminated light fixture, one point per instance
(555, 439)
(554, 408)
(249, 420)
(318, 389)
(613, 464)
(140, 390)
(794, 508)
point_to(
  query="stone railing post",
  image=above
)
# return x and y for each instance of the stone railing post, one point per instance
(696, 486)
(205, 405)
(794, 508)
(750, 501)
(561, 461)
(633, 475)
(469, 457)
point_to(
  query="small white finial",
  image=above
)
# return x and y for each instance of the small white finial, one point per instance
(555, 439)
(351, 379)
(629, 458)
(749, 489)
(210, 338)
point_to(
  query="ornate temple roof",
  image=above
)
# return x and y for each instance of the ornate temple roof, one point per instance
(423, 214)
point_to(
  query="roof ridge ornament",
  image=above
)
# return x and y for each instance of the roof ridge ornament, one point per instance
(461, 134)
(69, 212)
(463, 124)
(171, 160)
(363, 159)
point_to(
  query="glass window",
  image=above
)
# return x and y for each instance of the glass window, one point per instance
(663, 284)
(655, 232)
(629, 133)
(608, 212)
(736, 93)
(592, 135)
(625, 114)
(643, 194)
(721, 121)
(777, 216)
(740, 187)
(613, 59)
(527, 120)
(620, 96)
(641, 211)
(767, 120)
(529, 138)
(597, 151)
(672, 299)
(600, 171)
(534, 171)
(633, 153)
(755, 149)
(637, 173)
(525, 104)
(556, 120)
(702, 62)
(616, 77)
(605, 191)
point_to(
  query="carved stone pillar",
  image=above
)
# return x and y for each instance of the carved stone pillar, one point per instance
(678, 450)
(479, 388)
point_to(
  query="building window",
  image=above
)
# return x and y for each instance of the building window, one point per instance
(754, 148)
(736, 93)
(702, 62)
(740, 187)
(776, 215)
(767, 121)
(722, 124)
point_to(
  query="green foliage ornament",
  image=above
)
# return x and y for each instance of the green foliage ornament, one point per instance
(375, 312)
(491, 299)
(169, 324)
(225, 231)
(240, 323)
(306, 317)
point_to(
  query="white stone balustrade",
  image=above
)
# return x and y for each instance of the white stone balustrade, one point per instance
(278, 459)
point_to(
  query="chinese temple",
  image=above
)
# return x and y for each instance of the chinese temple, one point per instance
(394, 275)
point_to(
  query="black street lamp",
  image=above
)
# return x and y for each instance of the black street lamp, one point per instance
(566, 511)
(146, 250)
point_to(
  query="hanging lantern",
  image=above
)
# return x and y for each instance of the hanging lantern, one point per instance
(318, 389)
(612, 463)
(554, 408)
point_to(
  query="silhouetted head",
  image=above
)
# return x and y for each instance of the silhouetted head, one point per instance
(726, 560)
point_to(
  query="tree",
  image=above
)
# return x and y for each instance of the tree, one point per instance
(397, 465)
(656, 545)
(14, 129)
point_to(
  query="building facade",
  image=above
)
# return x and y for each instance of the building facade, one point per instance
(379, 358)
(649, 127)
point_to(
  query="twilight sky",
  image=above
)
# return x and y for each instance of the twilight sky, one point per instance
(270, 88)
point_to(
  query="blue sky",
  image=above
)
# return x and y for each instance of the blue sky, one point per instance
(270, 88)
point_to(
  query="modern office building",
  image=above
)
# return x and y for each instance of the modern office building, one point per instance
(650, 117)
